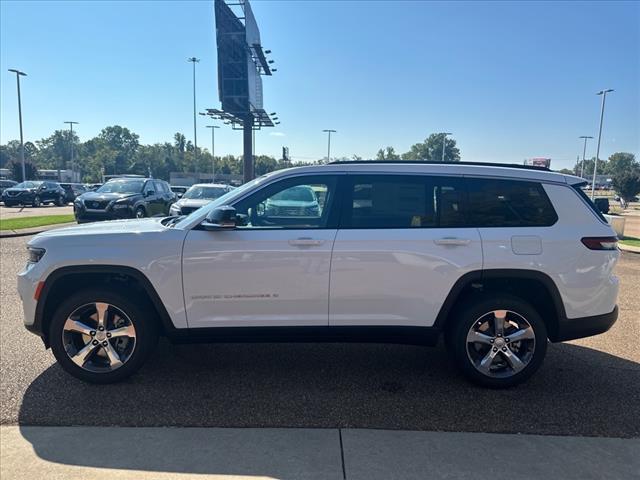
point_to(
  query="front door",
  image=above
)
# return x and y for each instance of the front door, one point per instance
(273, 270)
(402, 244)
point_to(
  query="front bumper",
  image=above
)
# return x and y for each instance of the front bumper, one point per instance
(574, 328)
(84, 215)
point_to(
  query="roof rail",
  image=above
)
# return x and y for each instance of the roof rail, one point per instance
(428, 162)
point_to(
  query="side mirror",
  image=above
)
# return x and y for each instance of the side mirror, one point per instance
(148, 193)
(221, 218)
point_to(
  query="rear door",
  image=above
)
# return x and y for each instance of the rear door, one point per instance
(402, 245)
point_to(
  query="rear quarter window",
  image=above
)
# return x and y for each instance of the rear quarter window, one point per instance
(508, 203)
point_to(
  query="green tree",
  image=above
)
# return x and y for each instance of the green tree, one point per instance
(30, 169)
(620, 162)
(54, 152)
(121, 145)
(627, 183)
(588, 167)
(388, 153)
(431, 150)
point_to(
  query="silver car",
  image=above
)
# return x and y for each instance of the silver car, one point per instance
(197, 196)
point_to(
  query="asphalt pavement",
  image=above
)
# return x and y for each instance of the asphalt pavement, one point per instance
(28, 211)
(589, 387)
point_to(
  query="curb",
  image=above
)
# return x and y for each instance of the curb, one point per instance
(23, 232)
(628, 248)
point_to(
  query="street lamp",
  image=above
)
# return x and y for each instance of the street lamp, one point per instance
(18, 75)
(595, 167)
(584, 151)
(213, 151)
(194, 60)
(444, 142)
(71, 124)
(329, 131)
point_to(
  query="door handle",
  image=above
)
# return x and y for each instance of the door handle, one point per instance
(305, 242)
(452, 241)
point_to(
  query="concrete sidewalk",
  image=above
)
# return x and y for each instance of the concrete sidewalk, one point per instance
(297, 454)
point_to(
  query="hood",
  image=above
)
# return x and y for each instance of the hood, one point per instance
(14, 189)
(106, 196)
(130, 226)
(193, 202)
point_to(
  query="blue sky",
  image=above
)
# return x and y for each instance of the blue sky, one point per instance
(510, 80)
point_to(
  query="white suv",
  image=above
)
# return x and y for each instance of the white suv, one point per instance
(499, 259)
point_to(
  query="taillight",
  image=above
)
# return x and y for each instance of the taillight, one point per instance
(600, 243)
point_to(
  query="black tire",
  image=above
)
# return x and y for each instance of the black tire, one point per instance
(140, 212)
(36, 201)
(60, 202)
(9, 205)
(476, 311)
(139, 313)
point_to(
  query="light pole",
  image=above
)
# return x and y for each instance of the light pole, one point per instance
(71, 124)
(18, 75)
(329, 131)
(584, 152)
(444, 142)
(595, 166)
(194, 60)
(213, 152)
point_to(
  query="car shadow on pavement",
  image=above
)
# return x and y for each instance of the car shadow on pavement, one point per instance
(578, 391)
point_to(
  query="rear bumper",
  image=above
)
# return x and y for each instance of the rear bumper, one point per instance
(573, 328)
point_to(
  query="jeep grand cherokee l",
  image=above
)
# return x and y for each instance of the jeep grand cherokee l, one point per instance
(124, 198)
(497, 259)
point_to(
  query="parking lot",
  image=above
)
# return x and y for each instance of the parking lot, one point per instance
(589, 387)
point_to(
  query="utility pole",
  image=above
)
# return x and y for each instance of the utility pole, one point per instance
(194, 60)
(18, 75)
(329, 131)
(584, 152)
(71, 124)
(444, 142)
(595, 166)
(213, 152)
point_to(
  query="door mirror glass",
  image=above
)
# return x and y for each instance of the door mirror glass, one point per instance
(148, 193)
(221, 218)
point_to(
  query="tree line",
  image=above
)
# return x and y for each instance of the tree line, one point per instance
(117, 150)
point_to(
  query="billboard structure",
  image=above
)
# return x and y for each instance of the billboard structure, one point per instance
(241, 64)
(538, 162)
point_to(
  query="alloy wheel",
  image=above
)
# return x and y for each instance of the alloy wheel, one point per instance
(99, 337)
(500, 343)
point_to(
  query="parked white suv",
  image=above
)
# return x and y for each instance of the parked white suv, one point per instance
(499, 259)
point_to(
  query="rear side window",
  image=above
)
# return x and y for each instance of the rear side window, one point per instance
(589, 203)
(508, 203)
(399, 201)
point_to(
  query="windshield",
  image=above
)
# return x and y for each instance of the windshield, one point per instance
(205, 193)
(121, 186)
(295, 194)
(28, 185)
(225, 199)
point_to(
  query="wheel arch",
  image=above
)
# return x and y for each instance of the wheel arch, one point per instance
(68, 279)
(533, 286)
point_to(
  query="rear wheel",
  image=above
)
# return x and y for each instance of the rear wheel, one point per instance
(498, 341)
(60, 202)
(36, 201)
(101, 336)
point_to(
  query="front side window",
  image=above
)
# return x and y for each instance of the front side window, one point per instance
(401, 201)
(298, 203)
(508, 203)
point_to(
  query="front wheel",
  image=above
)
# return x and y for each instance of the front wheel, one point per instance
(102, 336)
(36, 201)
(140, 212)
(498, 341)
(60, 202)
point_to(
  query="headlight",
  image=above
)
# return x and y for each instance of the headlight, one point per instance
(35, 254)
(120, 206)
